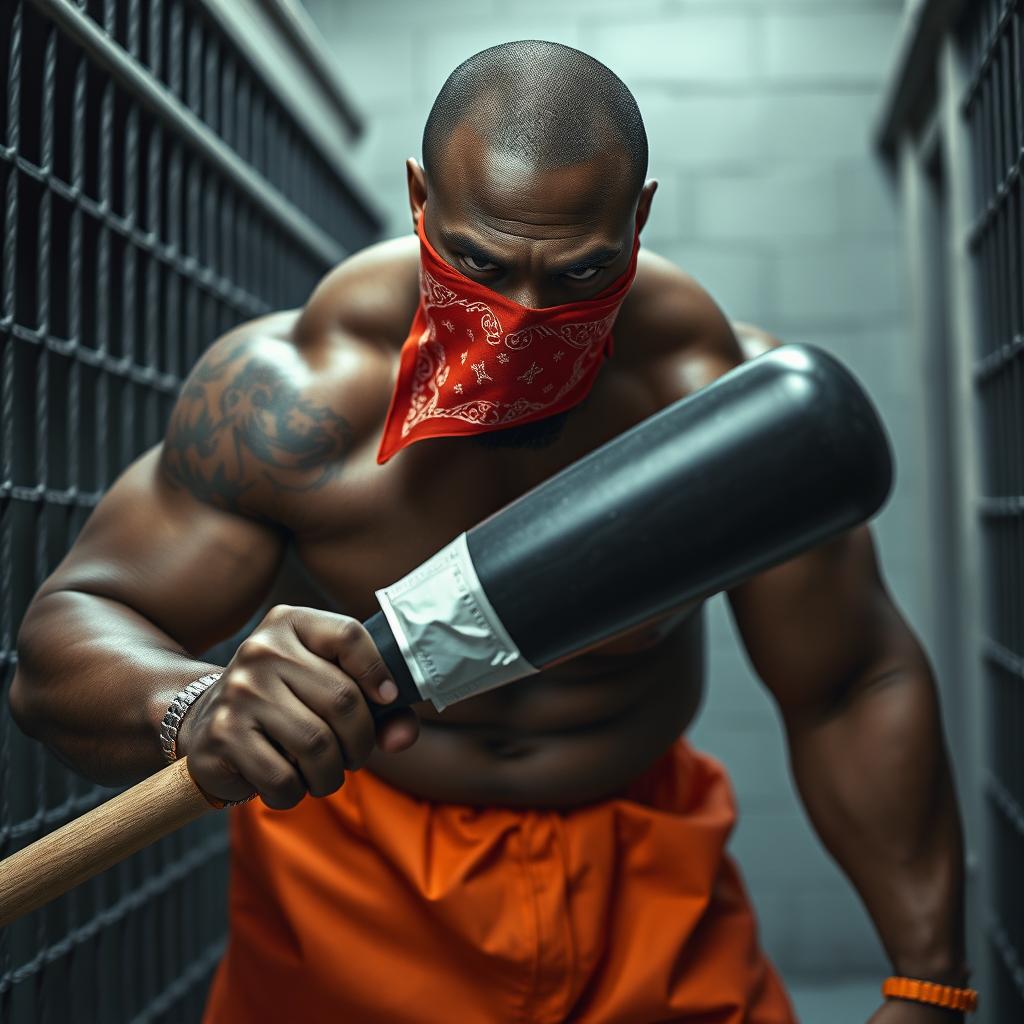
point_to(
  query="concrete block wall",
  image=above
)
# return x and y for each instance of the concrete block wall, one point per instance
(759, 115)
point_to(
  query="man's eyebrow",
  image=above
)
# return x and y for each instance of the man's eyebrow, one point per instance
(592, 258)
(456, 240)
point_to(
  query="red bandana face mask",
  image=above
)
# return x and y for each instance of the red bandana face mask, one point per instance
(475, 361)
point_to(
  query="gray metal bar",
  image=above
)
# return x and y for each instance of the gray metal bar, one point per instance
(124, 250)
(246, 23)
(185, 125)
(293, 20)
(924, 29)
(1000, 940)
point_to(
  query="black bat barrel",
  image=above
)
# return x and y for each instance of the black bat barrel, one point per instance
(769, 460)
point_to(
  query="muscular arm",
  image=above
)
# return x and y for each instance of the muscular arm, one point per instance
(860, 709)
(861, 712)
(178, 555)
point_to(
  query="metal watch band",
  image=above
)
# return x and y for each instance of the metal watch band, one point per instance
(183, 699)
(176, 712)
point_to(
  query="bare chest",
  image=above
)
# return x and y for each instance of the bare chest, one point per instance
(370, 525)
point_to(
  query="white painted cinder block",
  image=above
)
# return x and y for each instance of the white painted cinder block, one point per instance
(869, 203)
(587, 11)
(756, 759)
(822, 281)
(671, 218)
(818, 931)
(877, 355)
(356, 58)
(346, 15)
(752, 130)
(695, 49)
(733, 696)
(780, 854)
(793, 201)
(442, 47)
(830, 45)
(389, 140)
(736, 277)
(835, 933)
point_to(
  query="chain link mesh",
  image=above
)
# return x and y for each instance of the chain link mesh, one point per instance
(993, 109)
(153, 192)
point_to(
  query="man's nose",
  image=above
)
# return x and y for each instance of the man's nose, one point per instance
(526, 294)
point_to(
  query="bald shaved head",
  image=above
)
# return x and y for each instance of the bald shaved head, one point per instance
(540, 104)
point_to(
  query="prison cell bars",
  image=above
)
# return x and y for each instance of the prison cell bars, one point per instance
(955, 104)
(154, 190)
(992, 108)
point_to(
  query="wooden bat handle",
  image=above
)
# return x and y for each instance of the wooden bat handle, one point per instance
(141, 815)
(166, 801)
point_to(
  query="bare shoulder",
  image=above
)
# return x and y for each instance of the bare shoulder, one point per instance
(754, 340)
(672, 330)
(681, 338)
(275, 406)
(372, 295)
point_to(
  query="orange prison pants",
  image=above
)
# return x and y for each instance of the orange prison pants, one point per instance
(370, 905)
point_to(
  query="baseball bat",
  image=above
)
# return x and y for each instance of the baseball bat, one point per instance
(773, 458)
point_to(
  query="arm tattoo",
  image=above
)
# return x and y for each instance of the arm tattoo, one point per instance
(239, 416)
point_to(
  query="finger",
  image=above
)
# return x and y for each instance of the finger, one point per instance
(268, 772)
(216, 777)
(337, 700)
(398, 730)
(346, 642)
(318, 683)
(306, 737)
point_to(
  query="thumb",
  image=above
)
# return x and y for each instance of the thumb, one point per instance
(398, 730)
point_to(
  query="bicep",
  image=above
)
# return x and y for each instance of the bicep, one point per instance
(821, 622)
(190, 534)
(196, 572)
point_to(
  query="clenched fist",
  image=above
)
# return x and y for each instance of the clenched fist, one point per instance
(290, 715)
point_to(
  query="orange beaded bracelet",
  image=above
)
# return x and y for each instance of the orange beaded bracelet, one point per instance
(929, 992)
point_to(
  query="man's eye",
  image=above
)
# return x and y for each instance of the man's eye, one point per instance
(477, 264)
(584, 274)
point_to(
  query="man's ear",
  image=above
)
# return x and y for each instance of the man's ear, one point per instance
(417, 181)
(643, 206)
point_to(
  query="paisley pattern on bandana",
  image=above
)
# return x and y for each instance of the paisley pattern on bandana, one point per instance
(475, 361)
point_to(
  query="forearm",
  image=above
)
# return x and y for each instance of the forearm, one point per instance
(93, 682)
(875, 778)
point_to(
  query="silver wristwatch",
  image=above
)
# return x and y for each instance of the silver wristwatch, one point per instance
(176, 712)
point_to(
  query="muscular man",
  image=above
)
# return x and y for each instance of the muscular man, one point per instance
(549, 850)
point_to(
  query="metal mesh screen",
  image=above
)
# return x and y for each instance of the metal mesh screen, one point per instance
(153, 192)
(993, 107)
